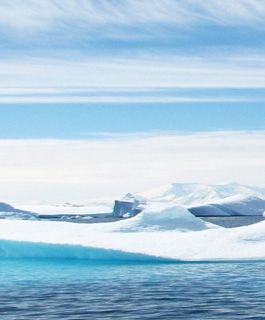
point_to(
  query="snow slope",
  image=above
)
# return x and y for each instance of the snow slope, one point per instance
(162, 232)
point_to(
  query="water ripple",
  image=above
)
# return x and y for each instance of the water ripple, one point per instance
(78, 290)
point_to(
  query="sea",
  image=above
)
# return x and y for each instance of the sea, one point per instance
(81, 289)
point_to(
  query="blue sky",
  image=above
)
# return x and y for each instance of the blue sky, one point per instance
(99, 70)
(76, 121)
(132, 52)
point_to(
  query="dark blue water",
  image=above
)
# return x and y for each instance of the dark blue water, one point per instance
(76, 289)
(234, 221)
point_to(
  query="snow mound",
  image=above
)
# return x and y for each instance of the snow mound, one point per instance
(162, 217)
(240, 205)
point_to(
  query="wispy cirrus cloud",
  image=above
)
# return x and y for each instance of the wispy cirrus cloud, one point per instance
(147, 70)
(45, 14)
(65, 45)
(142, 79)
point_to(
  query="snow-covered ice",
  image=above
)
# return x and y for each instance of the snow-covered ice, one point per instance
(159, 232)
(165, 229)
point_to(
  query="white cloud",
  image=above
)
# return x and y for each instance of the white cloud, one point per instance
(125, 79)
(122, 100)
(62, 170)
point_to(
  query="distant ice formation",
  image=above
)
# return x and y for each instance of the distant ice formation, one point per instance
(196, 194)
(230, 199)
(201, 200)
(9, 212)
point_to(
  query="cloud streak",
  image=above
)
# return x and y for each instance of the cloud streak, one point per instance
(148, 71)
(125, 79)
(122, 100)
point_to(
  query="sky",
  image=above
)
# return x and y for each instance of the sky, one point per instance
(102, 97)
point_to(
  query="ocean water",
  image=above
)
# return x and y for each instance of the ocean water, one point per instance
(84, 289)
(234, 221)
